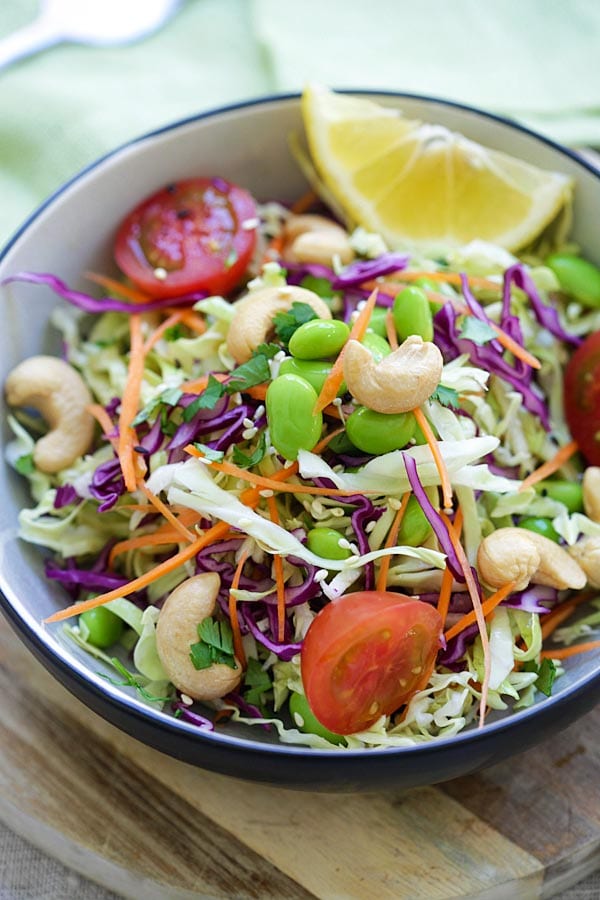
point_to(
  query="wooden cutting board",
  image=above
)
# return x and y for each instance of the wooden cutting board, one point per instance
(150, 827)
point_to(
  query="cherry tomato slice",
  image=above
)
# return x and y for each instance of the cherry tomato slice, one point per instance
(582, 397)
(365, 654)
(187, 237)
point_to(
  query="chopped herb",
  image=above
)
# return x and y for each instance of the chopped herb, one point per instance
(286, 323)
(267, 350)
(208, 399)
(257, 682)
(546, 674)
(245, 461)
(209, 453)
(446, 396)
(169, 397)
(129, 680)
(255, 371)
(215, 645)
(25, 465)
(174, 332)
(477, 331)
(166, 425)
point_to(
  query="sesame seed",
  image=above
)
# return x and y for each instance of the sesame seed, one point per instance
(186, 700)
(160, 273)
(394, 504)
(369, 527)
(250, 224)
(267, 492)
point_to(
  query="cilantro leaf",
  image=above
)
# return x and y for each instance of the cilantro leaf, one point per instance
(446, 396)
(257, 682)
(174, 332)
(255, 371)
(215, 645)
(24, 464)
(209, 453)
(286, 323)
(477, 331)
(267, 350)
(546, 674)
(169, 397)
(208, 399)
(245, 461)
(130, 680)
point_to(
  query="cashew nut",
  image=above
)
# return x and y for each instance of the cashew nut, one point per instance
(400, 382)
(515, 554)
(591, 493)
(315, 239)
(587, 553)
(252, 323)
(58, 392)
(177, 629)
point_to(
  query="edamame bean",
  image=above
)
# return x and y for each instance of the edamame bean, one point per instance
(315, 371)
(320, 286)
(293, 425)
(577, 277)
(325, 542)
(306, 721)
(540, 526)
(568, 492)
(375, 432)
(377, 321)
(319, 339)
(103, 626)
(429, 284)
(415, 527)
(412, 314)
(378, 346)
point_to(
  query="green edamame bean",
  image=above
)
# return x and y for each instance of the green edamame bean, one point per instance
(412, 314)
(415, 527)
(325, 542)
(293, 425)
(577, 277)
(320, 286)
(378, 346)
(315, 371)
(540, 526)
(103, 626)
(377, 321)
(306, 721)
(568, 492)
(428, 284)
(375, 432)
(319, 339)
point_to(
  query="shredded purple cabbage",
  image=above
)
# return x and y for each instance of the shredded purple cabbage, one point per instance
(65, 495)
(367, 269)
(107, 484)
(457, 648)
(193, 718)
(546, 315)
(84, 578)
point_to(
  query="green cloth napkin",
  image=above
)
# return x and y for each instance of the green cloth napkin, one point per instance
(535, 60)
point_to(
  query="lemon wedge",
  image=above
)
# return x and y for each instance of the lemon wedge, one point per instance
(422, 186)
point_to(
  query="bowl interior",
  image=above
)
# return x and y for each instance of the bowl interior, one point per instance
(73, 232)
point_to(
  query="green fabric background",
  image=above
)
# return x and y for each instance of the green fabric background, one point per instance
(533, 59)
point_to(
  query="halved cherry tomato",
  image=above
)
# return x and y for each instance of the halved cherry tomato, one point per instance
(365, 654)
(582, 397)
(188, 237)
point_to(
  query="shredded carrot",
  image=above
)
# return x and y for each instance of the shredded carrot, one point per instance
(257, 391)
(437, 457)
(197, 385)
(390, 542)
(158, 538)
(233, 612)
(448, 578)
(304, 202)
(193, 320)
(156, 335)
(111, 284)
(515, 348)
(164, 510)
(559, 614)
(334, 380)
(443, 277)
(274, 248)
(479, 614)
(103, 419)
(390, 330)
(129, 406)
(488, 607)
(566, 652)
(551, 466)
(278, 566)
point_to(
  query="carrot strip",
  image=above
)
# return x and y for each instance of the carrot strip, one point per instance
(156, 335)
(197, 385)
(479, 614)
(448, 578)
(437, 457)
(515, 348)
(164, 510)
(156, 539)
(566, 652)
(233, 612)
(274, 248)
(278, 566)
(334, 380)
(390, 542)
(560, 613)
(193, 320)
(551, 466)
(129, 405)
(304, 202)
(103, 419)
(390, 330)
(444, 277)
(488, 607)
(111, 284)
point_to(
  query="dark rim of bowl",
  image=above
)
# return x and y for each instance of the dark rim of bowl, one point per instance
(177, 726)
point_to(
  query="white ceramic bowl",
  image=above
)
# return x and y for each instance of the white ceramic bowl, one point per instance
(73, 231)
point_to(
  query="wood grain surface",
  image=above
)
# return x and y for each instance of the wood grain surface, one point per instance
(148, 826)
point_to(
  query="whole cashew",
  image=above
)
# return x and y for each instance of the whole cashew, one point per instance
(515, 554)
(177, 629)
(315, 239)
(400, 382)
(587, 553)
(252, 323)
(591, 493)
(58, 392)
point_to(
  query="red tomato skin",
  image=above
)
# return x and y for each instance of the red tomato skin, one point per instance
(365, 654)
(193, 231)
(582, 397)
